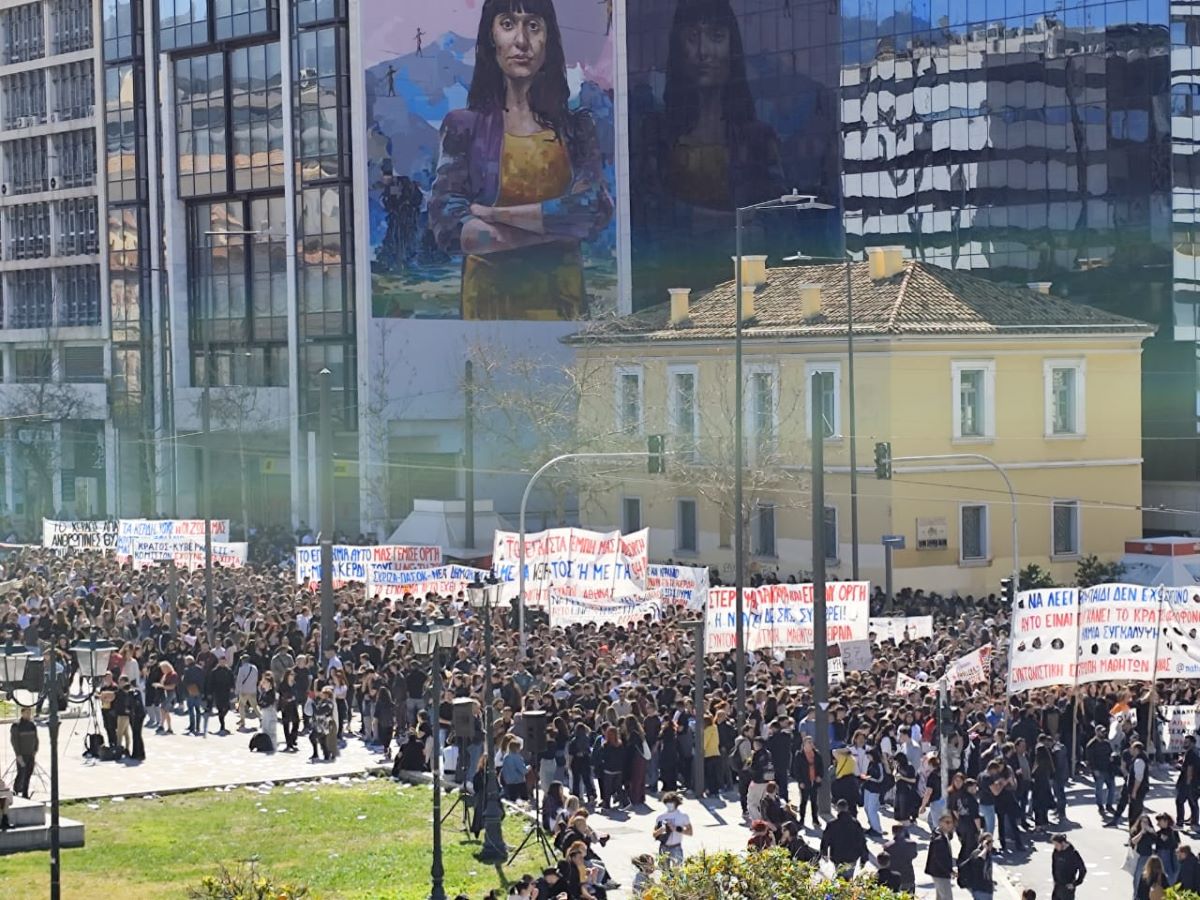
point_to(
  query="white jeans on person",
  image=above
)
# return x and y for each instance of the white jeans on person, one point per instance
(942, 889)
(871, 805)
(754, 799)
(268, 724)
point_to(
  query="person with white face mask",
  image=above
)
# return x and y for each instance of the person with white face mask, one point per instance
(670, 827)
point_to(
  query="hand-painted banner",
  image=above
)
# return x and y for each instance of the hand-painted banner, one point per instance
(157, 540)
(566, 611)
(444, 581)
(678, 585)
(1121, 632)
(1178, 722)
(780, 616)
(906, 685)
(572, 562)
(225, 556)
(86, 535)
(900, 629)
(973, 668)
(355, 564)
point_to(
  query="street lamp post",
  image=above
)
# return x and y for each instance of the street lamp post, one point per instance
(92, 656)
(429, 640)
(796, 201)
(483, 597)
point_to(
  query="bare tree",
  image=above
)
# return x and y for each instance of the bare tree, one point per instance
(32, 408)
(377, 409)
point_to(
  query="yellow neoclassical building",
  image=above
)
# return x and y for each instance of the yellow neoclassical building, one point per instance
(945, 363)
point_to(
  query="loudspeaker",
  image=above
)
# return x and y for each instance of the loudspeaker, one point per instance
(35, 676)
(534, 721)
(464, 718)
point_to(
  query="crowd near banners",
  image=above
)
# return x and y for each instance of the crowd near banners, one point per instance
(59, 535)
(856, 656)
(225, 555)
(1177, 723)
(906, 685)
(1108, 632)
(356, 564)
(157, 540)
(973, 668)
(572, 562)
(679, 585)
(566, 611)
(445, 581)
(780, 616)
(900, 629)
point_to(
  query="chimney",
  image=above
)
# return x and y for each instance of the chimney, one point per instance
(1042, 287)
(747, 293)
(679, 304)
(754, 270)
(810, 300)
(885, 262)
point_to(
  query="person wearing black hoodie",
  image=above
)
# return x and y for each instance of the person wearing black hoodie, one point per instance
(1188, 876)
(1066, 868)
(939, 862)
(844, 841)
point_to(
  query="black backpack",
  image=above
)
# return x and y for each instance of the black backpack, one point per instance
(261, 743)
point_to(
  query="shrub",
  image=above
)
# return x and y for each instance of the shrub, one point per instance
(770, 875)
(246, 883)
(1034, 577)
(1091, 571)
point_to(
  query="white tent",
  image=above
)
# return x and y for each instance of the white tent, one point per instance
(1170, 561)
(444, 523)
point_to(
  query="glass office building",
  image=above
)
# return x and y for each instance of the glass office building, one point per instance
(1045, 143)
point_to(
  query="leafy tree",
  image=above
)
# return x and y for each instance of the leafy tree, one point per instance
(1034, 577)
(1091, 570)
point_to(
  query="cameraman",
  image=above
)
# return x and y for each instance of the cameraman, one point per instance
(669, 829)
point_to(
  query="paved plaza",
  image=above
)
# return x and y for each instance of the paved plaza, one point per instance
(181, 762)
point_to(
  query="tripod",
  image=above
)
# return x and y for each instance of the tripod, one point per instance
(537, 830)
(460, 800)
(39, 774)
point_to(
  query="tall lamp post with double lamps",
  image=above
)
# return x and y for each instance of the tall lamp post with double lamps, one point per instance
(430, 640)
(484, 597)
(92, 656)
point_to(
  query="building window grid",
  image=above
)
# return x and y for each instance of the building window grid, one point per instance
(29, 231)
(1065, 538)
(687, 527)
(326, 290)
(78, 227)
(121, 29)
(79, 291)
(322, 104)
(256, 111)
(24, 37)
(32, 365)
(829, 397)
(764, 530)
(124, 132)
(629, 399)
(832, 549)
(244, 18)
(75, 90)
(30, 299)
(72, 25)
(126, 272)
(973, 532)
(82, 363)
(631, 514)
(683, 411)
(24, 95)
(76, 158)
(28, 171)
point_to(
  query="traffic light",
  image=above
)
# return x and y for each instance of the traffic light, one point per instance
(656, 447)
(1008, 591)
(883, 460)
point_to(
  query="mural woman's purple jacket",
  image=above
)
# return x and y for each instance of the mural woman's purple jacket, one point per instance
(468, 172)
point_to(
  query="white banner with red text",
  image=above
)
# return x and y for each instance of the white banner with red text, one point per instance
(678, 585)
(567, 611)
(572, 562)
(444, 581)
(780, 616)
(354, 564)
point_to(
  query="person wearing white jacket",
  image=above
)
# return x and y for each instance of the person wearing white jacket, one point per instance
(245, 685)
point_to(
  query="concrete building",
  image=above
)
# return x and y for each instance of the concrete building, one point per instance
(945, 363)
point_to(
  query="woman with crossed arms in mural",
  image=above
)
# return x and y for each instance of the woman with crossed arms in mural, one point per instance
(519, 179)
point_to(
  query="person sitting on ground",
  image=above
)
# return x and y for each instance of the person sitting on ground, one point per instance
(886, 875)
(761, 836)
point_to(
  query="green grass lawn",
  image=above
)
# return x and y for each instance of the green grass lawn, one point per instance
(367, 840)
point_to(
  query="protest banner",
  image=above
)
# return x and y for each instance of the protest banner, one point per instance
(444, 581)
(906, 685)
(157, 540)
(973, 667)
(1177, 723)
(1044, 647)
(354, 564)
(566, 611)
(856, 656)
(836, 667)
(780, 616)
(900, 629)
(81, 535)
(224, 555)
(678, 585)
(573, 562)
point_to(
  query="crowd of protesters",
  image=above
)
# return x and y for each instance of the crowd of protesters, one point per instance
(622, 722)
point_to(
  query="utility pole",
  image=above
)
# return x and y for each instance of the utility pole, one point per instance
(469, 455)
(739, 462)
(820, 647)
(206, 474)
(326, 481)
(173, 597)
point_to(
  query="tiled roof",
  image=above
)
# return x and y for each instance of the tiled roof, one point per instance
(922, 299)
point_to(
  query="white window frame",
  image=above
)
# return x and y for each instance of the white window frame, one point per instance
(625, 526)
(1078, 551)
(810, 368)
(750, 412)
(963, 559)
(988, 367)
(833, 554)
(672, 404)
(619, 374)
(1048, 368)
(680, 550)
